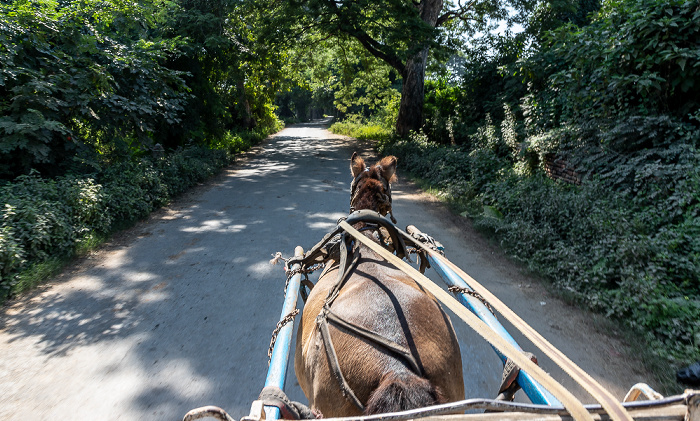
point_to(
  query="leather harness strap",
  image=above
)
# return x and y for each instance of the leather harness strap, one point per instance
(335, 365)
(345, 269)
(327, 316)
(397, 349)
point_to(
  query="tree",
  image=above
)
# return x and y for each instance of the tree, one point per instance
(80, 80)
(399, 32)
(336, 75)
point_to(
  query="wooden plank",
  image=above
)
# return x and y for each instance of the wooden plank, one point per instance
(570, 402)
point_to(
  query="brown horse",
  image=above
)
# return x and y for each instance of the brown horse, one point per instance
(384, 300)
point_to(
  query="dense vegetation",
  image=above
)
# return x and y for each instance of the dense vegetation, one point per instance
(615, 97)
(108, 109)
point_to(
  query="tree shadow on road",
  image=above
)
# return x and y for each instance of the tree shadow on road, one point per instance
(188, 306)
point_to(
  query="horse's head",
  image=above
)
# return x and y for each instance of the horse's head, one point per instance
(371, 186)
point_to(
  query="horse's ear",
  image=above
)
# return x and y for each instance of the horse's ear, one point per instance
(357, 164)
(388, 168)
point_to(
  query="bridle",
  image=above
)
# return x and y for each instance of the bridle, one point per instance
(385, 202)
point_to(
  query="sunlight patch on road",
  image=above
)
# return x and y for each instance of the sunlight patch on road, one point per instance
(324, 220)
(218, 225)
(117, 259)
(139, 276)
(153, 295)
(87, 283)
(262, 268)
(262, 170)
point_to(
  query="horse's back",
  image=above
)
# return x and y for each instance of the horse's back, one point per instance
(384, 300)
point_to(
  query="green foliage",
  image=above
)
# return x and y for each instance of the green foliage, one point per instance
(390, 28)
(621, 254)
(89, 91)
(44, 222)
(39, 217)
(353, 126)
(11, 258)
(442, 106)
(76, 74)
(633, 59)
(338, 78)
(548, 16)
(399, 34)
(618, 100)
(86, 84)
(455, 109)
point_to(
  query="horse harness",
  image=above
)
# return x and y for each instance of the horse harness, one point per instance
(339, 246)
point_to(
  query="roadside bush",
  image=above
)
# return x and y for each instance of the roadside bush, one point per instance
(358, 128)
(43, 220)
(39, 220)
(187, 167)
(629, 250)
(133, 190)
(11, 260)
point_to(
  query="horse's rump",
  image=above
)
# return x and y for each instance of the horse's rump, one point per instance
(382, 299)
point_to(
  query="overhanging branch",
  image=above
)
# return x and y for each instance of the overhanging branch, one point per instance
(460, 13)
(373, 46)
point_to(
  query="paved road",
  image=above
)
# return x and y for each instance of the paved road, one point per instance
(177, 313)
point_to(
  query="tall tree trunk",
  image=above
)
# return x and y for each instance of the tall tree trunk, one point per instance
(248, 119)
(413, 91)
(412, 95)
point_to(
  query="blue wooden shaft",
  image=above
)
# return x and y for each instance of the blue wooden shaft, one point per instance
(277, 373)
(537, 394)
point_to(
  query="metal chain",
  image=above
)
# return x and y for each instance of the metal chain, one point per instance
(467, 291)
(288, 318)
(303, 271)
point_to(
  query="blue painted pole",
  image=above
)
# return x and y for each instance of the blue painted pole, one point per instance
(277, 373)
(537, 394)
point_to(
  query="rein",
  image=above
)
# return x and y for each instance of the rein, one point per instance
(340, 243)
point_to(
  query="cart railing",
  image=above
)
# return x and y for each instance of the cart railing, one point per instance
(277, 372)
